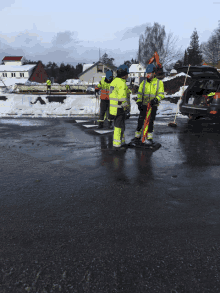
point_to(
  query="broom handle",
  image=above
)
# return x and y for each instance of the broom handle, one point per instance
(182, 93)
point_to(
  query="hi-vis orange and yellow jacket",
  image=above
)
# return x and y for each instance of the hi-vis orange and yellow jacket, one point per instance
(104, 86)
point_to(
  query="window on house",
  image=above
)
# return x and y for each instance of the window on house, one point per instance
(12, 74)
(4, 74)
(21, 74)
(139, 68)
(100, 68)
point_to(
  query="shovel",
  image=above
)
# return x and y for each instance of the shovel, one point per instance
(173, 124)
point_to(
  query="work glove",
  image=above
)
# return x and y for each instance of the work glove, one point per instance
(139, 104)
(127, 114)
(154, 102)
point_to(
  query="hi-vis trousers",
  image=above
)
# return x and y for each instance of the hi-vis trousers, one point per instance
(119, 128)
(104, 109)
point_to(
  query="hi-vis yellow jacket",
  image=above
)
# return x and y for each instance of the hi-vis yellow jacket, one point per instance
(104, 86)
(119, 96)
(48, 82)
(149, 90)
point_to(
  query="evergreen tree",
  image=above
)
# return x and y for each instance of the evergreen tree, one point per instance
(178, 64)
(106, 60)
(185, 60)
(194, 55)
(128, 63)
(79, 68)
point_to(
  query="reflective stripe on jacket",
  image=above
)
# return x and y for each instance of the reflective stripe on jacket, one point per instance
(150, 90)
(119, 96)
(48, 82)
(211, 94)
(104, 86)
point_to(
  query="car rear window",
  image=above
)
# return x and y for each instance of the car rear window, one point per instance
(213, 85)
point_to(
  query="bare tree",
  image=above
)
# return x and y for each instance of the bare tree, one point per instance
(170, 53)
(211, 48)
(155, 40)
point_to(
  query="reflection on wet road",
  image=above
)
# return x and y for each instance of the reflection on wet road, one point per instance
(85, 218)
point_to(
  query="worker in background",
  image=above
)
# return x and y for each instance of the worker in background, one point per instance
(48, 86)
(104, 85)
(67, 88)
(150, 90)
(120, 105)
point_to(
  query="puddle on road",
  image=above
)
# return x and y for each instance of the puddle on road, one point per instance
(24, 122)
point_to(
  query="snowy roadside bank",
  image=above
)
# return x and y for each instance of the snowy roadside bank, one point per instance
(82, 105)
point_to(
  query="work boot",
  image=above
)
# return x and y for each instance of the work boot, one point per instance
(110, 125)
(136, 139)
(100, 125)
(122, 148)
(149, 142)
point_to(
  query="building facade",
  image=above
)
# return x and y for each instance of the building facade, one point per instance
(13, 68)
(39, 73)
(136, 70)
(95, 72)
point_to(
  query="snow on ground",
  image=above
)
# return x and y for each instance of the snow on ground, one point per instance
(73, 105)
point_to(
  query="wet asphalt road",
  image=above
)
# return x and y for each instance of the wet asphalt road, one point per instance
(75, 218)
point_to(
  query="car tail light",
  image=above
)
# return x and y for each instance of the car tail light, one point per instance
(213, 112)
(217, 96)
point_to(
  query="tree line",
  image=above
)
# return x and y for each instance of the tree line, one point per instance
(60, 72)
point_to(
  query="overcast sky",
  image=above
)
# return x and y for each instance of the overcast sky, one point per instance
(73, 31)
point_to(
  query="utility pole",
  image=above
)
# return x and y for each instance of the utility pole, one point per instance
(99, 54)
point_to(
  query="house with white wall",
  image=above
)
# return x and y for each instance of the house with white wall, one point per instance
(136, 70)
(14, 71)
(13, 68)
(95, 72)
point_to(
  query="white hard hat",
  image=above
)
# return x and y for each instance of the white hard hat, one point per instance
(173, 71)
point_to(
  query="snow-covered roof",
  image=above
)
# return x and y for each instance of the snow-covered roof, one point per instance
(11, 81)
(19, 68)
(135, 68)
(86, 66)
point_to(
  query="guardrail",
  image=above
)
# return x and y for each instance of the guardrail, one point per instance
(53, 87)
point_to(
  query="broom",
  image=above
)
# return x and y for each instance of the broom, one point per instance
(173, 124)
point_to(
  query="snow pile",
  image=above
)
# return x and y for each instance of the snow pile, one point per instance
(28, 82)
(78, 82)
(90, 89)
(73, 105)
(173, 85)
(177, 75)
(72, 82)
(12, 81)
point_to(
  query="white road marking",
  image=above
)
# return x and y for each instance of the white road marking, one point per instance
(103, 131)
(81, 121)
(88, 126)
